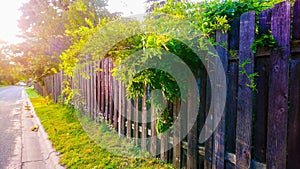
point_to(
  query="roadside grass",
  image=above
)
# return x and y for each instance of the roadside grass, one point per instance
(76, 148)
(31, 93)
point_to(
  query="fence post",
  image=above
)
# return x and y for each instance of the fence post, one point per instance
(245, 94)
(294, 119)
(278, 87)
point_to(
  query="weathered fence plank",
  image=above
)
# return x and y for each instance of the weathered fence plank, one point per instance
(153, 144)
(296, 21)
(219, 134)
(232, 87)
(110, 92)
(176, 134)
(116, 102)
(294, 116)
(144, 120)
(244, 109)
(192, 148)
(92, 90)
(121, 109)
(278, 88)
(136, 120)
(129, 119)
(102, 89)
(294, 125)
(201, 116)
(261, 95)
(106, 74)
(209, 141)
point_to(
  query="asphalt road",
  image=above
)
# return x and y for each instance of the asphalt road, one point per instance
(11, 101)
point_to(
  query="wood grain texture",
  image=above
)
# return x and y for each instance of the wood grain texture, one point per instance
(278, 88)
(244, 107)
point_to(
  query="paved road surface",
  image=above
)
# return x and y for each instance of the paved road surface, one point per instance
(21, 148)
(11, 101)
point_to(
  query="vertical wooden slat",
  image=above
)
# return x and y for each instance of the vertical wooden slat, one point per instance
(102, 89)
(92, 90)
(183, 132)
(176, 134)
(122, 113)
(163, 147)
(98, 89)
(144, 120)
(110, 93)
(85, 90)
(202, 109)
(209, 141)
(261, 105)
(294, 118)
(106, 65)
(232, 88)
(265, 21)
(296, 21)
(89, 89)
(136, 120)
(278, 88)
(129, 119)
(153, 144)
(116, 101)
(120, 129)
(261, 110)
(244, 111)
(219, 134)
(192, 148)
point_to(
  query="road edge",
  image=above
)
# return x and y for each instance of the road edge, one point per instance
(51, 156)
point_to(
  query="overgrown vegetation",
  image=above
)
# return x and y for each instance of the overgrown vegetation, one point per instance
(76, 148)
(86, 24)
(63, 35)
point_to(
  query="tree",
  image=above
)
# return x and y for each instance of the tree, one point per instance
(50, 27)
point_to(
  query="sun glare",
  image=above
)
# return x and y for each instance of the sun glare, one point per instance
(9, 15)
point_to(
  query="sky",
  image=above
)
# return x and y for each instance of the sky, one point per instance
(9, 15)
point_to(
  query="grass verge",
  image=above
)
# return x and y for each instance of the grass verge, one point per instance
(31, 93)
(73, 143)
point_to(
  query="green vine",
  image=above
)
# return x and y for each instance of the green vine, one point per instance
(266, 40)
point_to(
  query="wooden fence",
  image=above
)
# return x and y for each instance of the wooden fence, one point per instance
(259, 128)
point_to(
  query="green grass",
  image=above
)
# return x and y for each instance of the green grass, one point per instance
(76, 147)
(31, 93)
